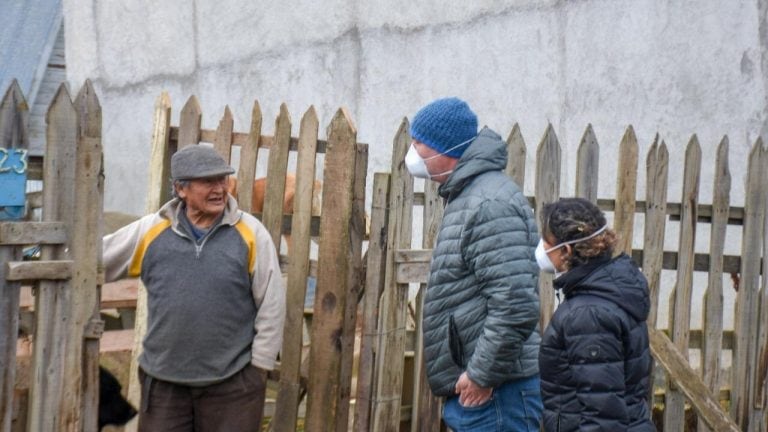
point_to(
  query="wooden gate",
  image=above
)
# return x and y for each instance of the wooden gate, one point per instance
(64, 373)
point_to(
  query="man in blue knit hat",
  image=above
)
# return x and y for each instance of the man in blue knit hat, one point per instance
(481, 312)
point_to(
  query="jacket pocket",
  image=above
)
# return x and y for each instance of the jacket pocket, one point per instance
(454, 343)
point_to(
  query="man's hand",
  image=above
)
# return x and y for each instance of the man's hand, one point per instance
(471, 394)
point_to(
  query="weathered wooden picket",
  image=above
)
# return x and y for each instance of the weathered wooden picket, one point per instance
(702, 388)
(64, 373)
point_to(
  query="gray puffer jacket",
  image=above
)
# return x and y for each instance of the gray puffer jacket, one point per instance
(481, 311)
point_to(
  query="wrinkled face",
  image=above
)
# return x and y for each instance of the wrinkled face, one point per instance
(206, 198)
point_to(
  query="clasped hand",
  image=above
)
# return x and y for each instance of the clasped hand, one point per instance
(471, 394)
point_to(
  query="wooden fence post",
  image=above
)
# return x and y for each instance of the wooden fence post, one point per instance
(53, 297)
(159, 191)
(13, 135)
(747, 301)
(626, 187)
(190, 119)
(272, 218)
(289, 390)
(759, 372)
(394, 300)
(354, 285)
(680, 299)
(657, 169)
(374, 286)
(80, 398)
(222, 142)
(426, 413)
(333, 277)
(712, 341)
(587, 166)
(248, 158)
(547, 191)
(516, 152)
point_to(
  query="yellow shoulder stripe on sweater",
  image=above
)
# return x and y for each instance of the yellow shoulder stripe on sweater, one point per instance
(135, 269)
(250, 240)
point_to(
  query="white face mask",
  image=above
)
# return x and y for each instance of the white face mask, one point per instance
(417, 165)
(542, 255)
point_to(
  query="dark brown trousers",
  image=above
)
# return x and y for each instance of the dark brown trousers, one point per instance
(235, 404)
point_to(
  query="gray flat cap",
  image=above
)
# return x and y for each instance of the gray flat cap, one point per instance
(198, 161)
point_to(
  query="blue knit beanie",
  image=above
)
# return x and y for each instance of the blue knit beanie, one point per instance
(444, 124)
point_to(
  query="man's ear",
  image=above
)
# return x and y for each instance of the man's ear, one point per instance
(180, 191)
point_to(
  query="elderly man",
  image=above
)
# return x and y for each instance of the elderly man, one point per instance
(481, 311)
(215, 302)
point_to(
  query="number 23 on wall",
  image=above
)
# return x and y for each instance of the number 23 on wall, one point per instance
(17, 162)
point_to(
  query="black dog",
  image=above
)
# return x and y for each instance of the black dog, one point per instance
(113, 408)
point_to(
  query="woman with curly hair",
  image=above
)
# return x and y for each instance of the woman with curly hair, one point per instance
(594, 360)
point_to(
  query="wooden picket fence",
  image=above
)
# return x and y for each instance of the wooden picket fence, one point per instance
(368, 298)
(738, 406)
(64, 374)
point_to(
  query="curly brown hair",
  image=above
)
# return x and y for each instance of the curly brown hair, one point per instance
(571, 219)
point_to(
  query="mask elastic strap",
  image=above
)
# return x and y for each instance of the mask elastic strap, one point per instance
(594, 234)
(454, 147)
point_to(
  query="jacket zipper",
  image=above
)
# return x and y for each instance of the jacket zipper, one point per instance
(198, 247)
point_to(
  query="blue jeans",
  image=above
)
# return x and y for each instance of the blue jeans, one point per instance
(514, 406)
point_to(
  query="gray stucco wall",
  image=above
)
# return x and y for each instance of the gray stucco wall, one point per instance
(663, 66)
(667, 66)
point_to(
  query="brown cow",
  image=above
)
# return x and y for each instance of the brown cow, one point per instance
(260, 190)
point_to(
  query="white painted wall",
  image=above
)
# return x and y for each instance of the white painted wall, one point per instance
(667, 66)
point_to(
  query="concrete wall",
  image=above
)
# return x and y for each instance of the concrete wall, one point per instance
(664, 66)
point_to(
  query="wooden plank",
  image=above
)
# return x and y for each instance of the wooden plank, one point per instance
(120, 294)
(222, 143)
(676, 365)
(747, 300)
(735, 214)
(158, 192)
(333, 276)
(276, 170)
(80, 398)
(414, 268)
(680, 299)
(713, 297)
(38, 270)
(587, 165)
(759, 374)
(374, 286)
(547, 191)
(13, 135)
(626, 187)
(189, 123)
(53, 297)
(289, 390)
(427, 408)
(657, 171)
(394, 299)
(354, 286)
(516, 152)
(248, 158)
(160, 157)
(25, 233)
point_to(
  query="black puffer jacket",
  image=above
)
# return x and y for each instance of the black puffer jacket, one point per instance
(594, 359)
